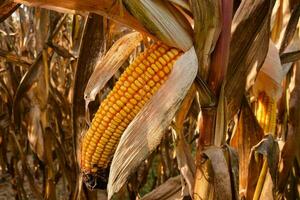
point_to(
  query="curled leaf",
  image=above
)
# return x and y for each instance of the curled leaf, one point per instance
(110, 63)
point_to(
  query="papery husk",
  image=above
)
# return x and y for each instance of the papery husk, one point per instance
(270, 76)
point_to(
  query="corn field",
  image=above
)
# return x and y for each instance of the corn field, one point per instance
(150, 99)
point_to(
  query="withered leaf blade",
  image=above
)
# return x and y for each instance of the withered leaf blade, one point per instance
(207, 31)
(162, 21)
(144, 133)
(248, 134)
(27, 81)
(110, 63)
(290, 29)
(268, 147)
(7, 8)
(213, 174)
(233, 160)
(248, 48)
(169, 190)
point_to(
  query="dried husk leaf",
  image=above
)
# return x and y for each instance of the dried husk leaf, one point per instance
(207, 31)
(35, 132)
(269, 149)
(271, 74)
(110, 63)
(185, 160)
(144, 133)
(291, 146)
(161, 20)
(248, 48)
(213, 176)
(107, 8)
(290, 29)
(169, 190)
(7, 7)
(248, 134)
(182, 4)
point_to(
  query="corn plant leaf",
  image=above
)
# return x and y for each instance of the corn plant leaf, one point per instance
(248, 134)
(7, 7)
(110, 63)
(144, 133)
(271, 74)
(268, 148)
(160, 19)
(213, 176)
(182, 4)
(291, 147)
(169, 190)
(233, 160)
(248, 48)
(107, 8)
(27, 81)
(290, 29)
(207, 31)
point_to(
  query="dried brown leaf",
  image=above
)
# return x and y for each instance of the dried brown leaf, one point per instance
(7, 7)
(248, 134)
(144, 133)
(213, 176)
(269, 149)
(207, 30)
(160, 19)
(248, 48)
(169, 190)
(110, 63)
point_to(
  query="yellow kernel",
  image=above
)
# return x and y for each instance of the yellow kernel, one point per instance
(116, 107)
(161, 50)
(156, 78)
(123, 88)
(151, 83)
(129, 105)
(123, 113)
(127, 95)
(130, 79)
(142, 66)
(162, 61)
(135, 85)
(138, 70)
(150, 70)
(145, 62)
(123, 99)
(166, 70)
(166, 58)
(154, 67)
(112, 111)
(137, 97)
(150, 59)
(138, 84)
(147, 88)
(127, 110)
(161, 74)
(135, 75)
(120, 103)
(133, 101)
(141, 92)
(126, 84)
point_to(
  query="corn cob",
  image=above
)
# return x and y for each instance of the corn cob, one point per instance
(134, 88)
(266, 113)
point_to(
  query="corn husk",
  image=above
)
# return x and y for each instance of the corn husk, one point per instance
(145, 132)
(163, 21)
(271, 74)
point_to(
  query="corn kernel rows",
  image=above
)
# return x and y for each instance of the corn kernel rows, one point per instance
(266, 113)
(133, 89)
